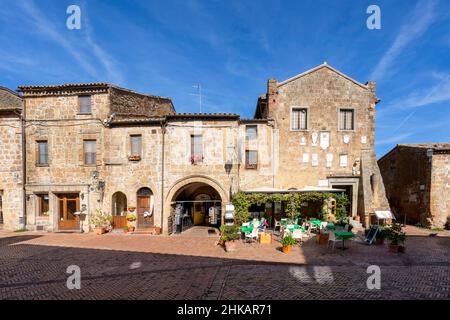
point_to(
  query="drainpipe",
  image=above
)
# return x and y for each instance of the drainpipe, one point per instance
(24, 165)
(271, 124)
(163, 131)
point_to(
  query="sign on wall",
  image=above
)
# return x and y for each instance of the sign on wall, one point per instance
(324, 140)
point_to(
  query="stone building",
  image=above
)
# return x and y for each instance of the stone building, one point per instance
(417, 181)
(11, 184)
(324, 125)
(99, 147)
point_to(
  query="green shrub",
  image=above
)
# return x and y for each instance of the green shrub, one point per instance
(394, 233)
(101, 219)
(230, 233)
(288, 241)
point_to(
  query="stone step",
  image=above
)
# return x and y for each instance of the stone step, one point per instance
(146, 231)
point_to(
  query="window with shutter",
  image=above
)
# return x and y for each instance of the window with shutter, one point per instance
(299, 118)
(346, 119)
(90, 157)
(136, 145)
(85, 104)
(251, 132)
(196, 149)
(251, 159)
(42, 152)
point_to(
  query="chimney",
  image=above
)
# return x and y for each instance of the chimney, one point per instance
(372, 85)
(272, 92)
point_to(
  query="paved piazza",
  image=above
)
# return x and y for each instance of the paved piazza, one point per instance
(121, 266)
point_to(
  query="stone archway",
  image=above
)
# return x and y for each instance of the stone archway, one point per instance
(179, 187)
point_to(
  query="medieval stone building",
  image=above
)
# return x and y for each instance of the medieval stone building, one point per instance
(11, 182)
(95, 147)
(417, 180)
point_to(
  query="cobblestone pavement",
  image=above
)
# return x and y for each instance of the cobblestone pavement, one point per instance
(119, 266)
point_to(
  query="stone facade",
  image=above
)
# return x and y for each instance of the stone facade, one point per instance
(11, 184)
(311, 156)
(165, 167)
(417, 181)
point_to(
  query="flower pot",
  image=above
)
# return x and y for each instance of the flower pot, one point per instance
(100, 230)
(130, 229)
(393, 248)
(230, 246)
(322, 238)
(286, 249)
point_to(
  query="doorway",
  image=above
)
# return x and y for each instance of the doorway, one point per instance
(196, 204)
(349, 193)
(145, 206)
(119, 210)
(68, 205)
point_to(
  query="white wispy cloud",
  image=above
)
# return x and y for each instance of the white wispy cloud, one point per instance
(437, 93)
(107, 61)
(393, 139)
(422, 17)
(48, 29)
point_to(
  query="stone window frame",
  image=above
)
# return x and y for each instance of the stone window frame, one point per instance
(291, 119)
(256, 135)
(135, 157)
(79, 104)
(89, 138)
(193, 160)
(339, 119)
(38, 142)
(251, 166)
(39, 203)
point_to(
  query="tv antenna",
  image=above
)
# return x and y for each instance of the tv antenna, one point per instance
(199, 94)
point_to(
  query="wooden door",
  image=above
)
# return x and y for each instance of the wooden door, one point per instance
(119, 222)
(143, 209)
(68, 204)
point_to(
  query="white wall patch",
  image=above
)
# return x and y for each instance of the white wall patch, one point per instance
(315, 159)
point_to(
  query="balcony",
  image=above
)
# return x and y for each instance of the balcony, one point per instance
(196, 159)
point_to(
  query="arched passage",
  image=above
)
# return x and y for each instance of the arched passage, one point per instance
(119, 204)
(194, 201)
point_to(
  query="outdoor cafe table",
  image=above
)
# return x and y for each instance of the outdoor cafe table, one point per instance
(331, 226)
(296, 226)
(316, 222)
(246, 229)
(344, 235)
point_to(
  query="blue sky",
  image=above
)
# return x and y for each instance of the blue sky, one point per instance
(232, 47)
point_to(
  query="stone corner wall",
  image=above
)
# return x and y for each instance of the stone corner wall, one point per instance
(440, 191)
(373, 190)
(11, 180)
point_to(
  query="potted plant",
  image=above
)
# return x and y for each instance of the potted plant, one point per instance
(287, 242)
(323, 237)
(131, 218)
(134, 158)
(101, 221)
(229, 236)
(396, 237)
(381, 236)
